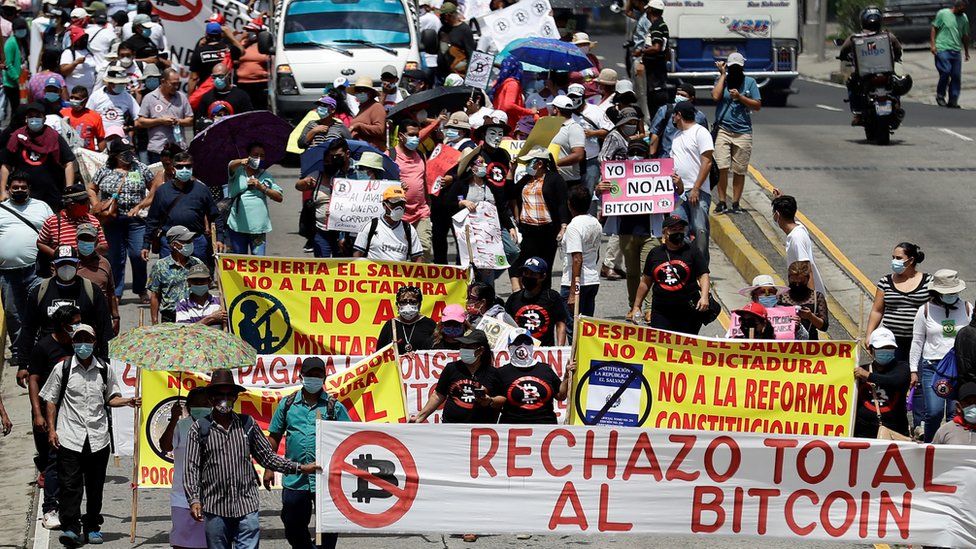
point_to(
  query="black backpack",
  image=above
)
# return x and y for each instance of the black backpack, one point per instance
(372, 230)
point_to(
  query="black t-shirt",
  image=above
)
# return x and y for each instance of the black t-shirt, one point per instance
(143, 47)
(675, 277)
(458, 384)
(207, 55)
(38, 322)
(46, 355)
(419, 335)
(45, 174)
(538, 314)
(238, 99)
(529, 393)
(657, 64)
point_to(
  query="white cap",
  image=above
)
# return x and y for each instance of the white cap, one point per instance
(563, 102)
(340, 82)
(83, 328)
(736, 58)
(499, 116)
(882, 337)
(575, 89)
(517, 333)
(78, 13)
(624, 86)
(656, 5)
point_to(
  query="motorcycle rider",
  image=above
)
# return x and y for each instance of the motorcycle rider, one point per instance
(871, 18)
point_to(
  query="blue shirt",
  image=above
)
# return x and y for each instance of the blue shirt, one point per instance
(299, 430)
(641, 30)
(196, 205)
(664, 141)
(735, 117)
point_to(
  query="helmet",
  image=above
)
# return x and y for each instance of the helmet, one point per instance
(901, 85)
(871, 19)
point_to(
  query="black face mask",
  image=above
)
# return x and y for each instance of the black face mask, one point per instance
(333, 165)
(127, 157)
(676, 238)
(19, 196)
(530, 283)
(735, 78)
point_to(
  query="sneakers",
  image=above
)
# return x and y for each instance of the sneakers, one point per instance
(953, 105)
(940, 101)
(609, 274)
(720, 208)
(51, 520)
(95, 538)
(735, 208)
(71, 539)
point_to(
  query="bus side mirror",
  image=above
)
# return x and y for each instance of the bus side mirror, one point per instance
(428, 42)
(266, 43)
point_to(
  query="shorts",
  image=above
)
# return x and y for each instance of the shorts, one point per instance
(733, 150)
(186, 532)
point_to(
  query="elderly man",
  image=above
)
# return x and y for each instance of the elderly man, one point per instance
(224, 90)
(164, 113)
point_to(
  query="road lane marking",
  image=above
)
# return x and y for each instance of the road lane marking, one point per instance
(826, 242)
(823, 82)
(955, 134)
(829, 108)
(621, 65)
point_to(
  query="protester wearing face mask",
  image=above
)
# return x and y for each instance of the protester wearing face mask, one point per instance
(317, 187)
(165, 112)
(754, 322)
(326, 126)
(87, 124)
(168, 283)
(538, 309)
(186, 532)
(370, 124)
(97, 269)
(414, 331)
(218, 42)
(219, 475)
(662, 127)
(250, 186)
(763, 291)
(390, 94)
(499, 160)
(960, 430)
(457, 132)
(113, 101)
(737, 96)
(543, 210)
(78, 393)
(42, 154)
(253, 69)
(531, 386)
(151, 79)
(223, 90)
(899, 296)
(389, 238)
(882, 389)
(126, 58)
(141, 44)
(295, 420)
(413, 178)
(200, 306)
(453, 325)
(933, 336)
(812, 314)
(482, 302)
(49, 67)
(61, 230)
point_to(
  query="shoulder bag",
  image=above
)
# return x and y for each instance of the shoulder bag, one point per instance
(157, 236)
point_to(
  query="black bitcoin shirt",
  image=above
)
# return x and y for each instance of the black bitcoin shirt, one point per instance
(674, 274)
(529, 394)
(458, 385)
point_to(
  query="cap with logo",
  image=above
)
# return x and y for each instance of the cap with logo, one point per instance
(198, 270)
(536, 265)
(82, 329)
(87, 229)
(476, 337)
(213, 28)
(65, 254)
(394, 194)
(179, 233)
(519, 335)
(674, 221)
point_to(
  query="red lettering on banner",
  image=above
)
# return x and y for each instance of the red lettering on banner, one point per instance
(855, 448)
(603, 522)
(801, 461)
(589, 460)
(579, 518)
(902, 519)
(862, 521)
(345, 310)
(674, 471)
(384, 312)
(643, 448)
(672, 387)
(781, 445)
(927, 482)
(737, 509)
(735, 458)
(546, 458)
(763, 494)
(788, 511)
(837, 531)
(262, 410)
(892, 455)
(514, 451)
(483, 462)
(699, 396)
(370, 413)
(699, 506)
(155, 476)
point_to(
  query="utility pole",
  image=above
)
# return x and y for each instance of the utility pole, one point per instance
(822, 30)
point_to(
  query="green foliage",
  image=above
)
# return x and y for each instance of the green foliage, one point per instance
(849, 14)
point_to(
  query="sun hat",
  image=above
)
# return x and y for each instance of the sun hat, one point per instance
(370, 159)
(762, 281)
(946, 281)
(607, 77)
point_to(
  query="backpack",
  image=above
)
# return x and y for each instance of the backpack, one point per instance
(330, 405)
(372, 230)
(945, 383)
(86, 284)
(66, 371)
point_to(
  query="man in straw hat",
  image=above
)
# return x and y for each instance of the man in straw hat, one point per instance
(219, 476)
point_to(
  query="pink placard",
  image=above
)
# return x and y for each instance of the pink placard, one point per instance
(639, 187)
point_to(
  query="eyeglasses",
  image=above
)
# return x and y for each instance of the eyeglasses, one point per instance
(181, 166)
(408, 302)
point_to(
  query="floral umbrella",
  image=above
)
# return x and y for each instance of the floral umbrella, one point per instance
(182, 348)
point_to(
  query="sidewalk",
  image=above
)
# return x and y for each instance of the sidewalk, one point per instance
(917, 62)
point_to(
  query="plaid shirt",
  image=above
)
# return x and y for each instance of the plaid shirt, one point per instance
(534, 210)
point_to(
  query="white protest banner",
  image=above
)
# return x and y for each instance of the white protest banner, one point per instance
(528, 18)
(482, 231)
(563, 480)
(638, 187)
(479, 70)
(782, 319)
(184, 23)
(355, 202)
(497, 332)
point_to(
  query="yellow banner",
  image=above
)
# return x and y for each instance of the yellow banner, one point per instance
(326, 306)
(633, 376)
(372, 392)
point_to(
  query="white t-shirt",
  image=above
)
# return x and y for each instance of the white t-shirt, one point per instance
(598, 116)
(20, 241)
(934, 332)
(799, 247)
(686, 150)
(583, 235)
(389, 243)
(113, 107)
(569, 137)
(100, 40)
(84, 73)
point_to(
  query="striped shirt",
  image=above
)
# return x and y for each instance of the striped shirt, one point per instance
(220, 476)
(61, 230)
(900, 307)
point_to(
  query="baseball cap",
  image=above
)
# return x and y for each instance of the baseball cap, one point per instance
(119, 145)
(87, 229)
(78, 13)
(198, 270)
(476, 337)
(389, 70)
(97, 5)
(656, 4)
(453, 312)
(736, 58)
(882, 337)
(218, 106)
(66, 254)
(213, 28)
(624, 86)
(83, 329)
(179, 233)
(684, 108)
(753, 308)
(52, 81)
(562, 102)
(114, 131)
(141, 19)
(340, 82)
(536, 265)
(416, 74)
(75, 192)
(312, 363)
(394, 194)
(448, 7)
(575, 90)
(674, 221)
(514, 336)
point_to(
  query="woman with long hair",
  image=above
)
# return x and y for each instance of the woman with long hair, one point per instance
(899, 296)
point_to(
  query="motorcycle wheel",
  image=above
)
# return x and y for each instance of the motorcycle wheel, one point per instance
(882, 133)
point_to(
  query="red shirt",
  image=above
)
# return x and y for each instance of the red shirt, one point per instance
(88, 124)
(60, 230)
(413, 178)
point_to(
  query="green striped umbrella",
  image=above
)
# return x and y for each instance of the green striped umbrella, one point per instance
(182, 348)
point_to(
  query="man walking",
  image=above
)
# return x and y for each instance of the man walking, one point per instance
(77, 393)
(164, 113)
(295, 417)
(389, 238)
(219, 476)
(651, 45)
(691, 150)
(799, 246)
(950, 37)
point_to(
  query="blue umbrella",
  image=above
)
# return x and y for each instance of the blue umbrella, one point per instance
(227, 139)
(550, 54)
(312, 158)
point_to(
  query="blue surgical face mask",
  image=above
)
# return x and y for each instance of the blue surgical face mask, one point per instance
(86, 248)
(950, 299)
(220, 82)
(323, 111)
(679, 99)
(312, 384)
(531, 169)
(969, 413)
(200, 412)
(884, 356)
(451, 134)
(468, 356)
(83, 350)
(151, 83)
(480, 171)
(51, 97)
(198, 289)
(187, 249)
(20, 33)
(35, 124)
(412, 142)
(897, 266)
(184, 174)
(146, 32)
(768, 301)
(118, 88)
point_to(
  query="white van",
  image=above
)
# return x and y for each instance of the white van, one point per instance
(317, 41)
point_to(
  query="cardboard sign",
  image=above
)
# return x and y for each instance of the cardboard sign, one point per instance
(482, 230)
(780, 317)
(639, 187)
(355, 202)
(442, 160)
(479, 70)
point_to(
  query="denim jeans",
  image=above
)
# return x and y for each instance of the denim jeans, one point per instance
(125, 236)
(949, 65)
(697, 218)
(934, 408)
(237, 533)
(296, 513)
(243, 243)
(587, 306)
(325, 243)
(15, 284)
(592, 175)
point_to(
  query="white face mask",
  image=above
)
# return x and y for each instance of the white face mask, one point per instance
(396, 214)
(409, 311)
(521, 355)
(493, 137)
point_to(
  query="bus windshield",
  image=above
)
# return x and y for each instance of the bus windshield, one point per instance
(351, 23)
